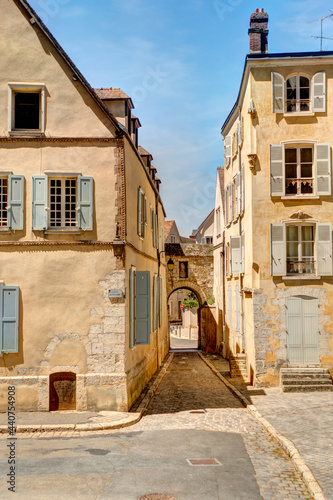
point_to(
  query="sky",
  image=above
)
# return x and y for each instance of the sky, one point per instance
(181, 62)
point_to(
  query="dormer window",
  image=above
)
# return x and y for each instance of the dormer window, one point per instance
(26, 113)
(298, 93)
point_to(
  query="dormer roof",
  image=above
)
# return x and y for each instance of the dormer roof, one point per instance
(113, 94)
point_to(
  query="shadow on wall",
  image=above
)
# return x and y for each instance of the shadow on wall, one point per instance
(208, 329)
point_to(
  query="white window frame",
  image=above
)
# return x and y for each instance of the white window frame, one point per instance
(26, 88)
(298, 103)
(63, 180)
(6, 208)
(298, 179)
(300, 255)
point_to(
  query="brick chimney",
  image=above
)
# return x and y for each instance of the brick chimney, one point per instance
(258, 32)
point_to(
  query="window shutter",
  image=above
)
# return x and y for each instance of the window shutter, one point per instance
(226, 215)
(236, 257)
(16, 202)
(156, 230)
(160, 300)
(9, 316)
(142, 307)
(243, 253)
(277, 93)
(276, 160)
(139, 213)
(323, 169)
(203, 240)
(226, 260)
(235, 141)
(237, 308)
(131, 307)
(319, 92)
(230, 203)
(228, 146)
(155, 302)
(238, 194)
(39, 202)
(240, 131)
(242, 191)
(85, 221)
(324, 250)
(230, 307)
(144, 216)
(278, 250)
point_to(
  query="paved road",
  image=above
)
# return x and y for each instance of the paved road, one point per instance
(192, 416)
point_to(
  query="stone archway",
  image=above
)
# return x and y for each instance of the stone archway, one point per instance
(184, 323)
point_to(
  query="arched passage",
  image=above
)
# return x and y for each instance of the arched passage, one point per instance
(184, 319)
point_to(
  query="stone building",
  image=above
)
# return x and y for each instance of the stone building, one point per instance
(83, 316)
(278, 283)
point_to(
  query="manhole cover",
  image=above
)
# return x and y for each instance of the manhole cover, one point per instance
(203, 461)
(157, 496)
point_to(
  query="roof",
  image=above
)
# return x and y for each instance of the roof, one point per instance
(206, 220)
(282, 55)
(113, 93)
(133, 117)
(167, 228)
(143, 152)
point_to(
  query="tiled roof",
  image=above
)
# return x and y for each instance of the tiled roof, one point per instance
(111, 93)
(167, 228)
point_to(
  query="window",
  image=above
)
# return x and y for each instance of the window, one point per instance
(26, 108)
(173, 238)
(299, 94)
(62, 203)
(235, 256)
(301, 249)
(141, 213)
(154, 225)
(9, 319)
(183, 269)
(11, 202)
(218, 221)
(300, 170)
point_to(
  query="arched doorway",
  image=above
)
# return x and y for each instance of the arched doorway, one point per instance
(184, 319)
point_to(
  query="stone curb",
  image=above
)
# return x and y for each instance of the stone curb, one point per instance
(125, 422)
(306, 474)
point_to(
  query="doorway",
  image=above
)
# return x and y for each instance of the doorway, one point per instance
(62, 391)
(302, 330)
(183, 306)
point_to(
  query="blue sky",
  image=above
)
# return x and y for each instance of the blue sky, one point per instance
(181, 62)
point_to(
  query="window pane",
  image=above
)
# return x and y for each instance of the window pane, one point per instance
(27, 110)
(306, 155)
(307, 233)
(307, 249)
(291, 171)
(3, 201)
(304, 81)
(292, 250)
(291, 155)
(292, 233)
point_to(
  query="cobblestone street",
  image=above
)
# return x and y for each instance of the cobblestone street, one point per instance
(192, 397)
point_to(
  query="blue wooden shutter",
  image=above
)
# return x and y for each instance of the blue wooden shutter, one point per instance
(9, 316)
(155, 302)
(160, 301)
(142, 307)
(39, 202)
(131, 307)
(85, 198)
(16, 202)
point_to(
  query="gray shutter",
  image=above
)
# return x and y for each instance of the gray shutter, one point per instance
(277, 93)
(324, 250)
(142, 307)
(230, 307)
(16, 202)
(160, 300)
(323, 169)
(278, 250)
(236, 254)
(131, 307)
(276, 161)
(39, 202)
(238, 194)
(9, 317)
(237, 308)
(319, 92)
(139, 212)
(242, 190)
(226, 215)
(228, 146)
(243, 253)
(155, 302)
(85, 221)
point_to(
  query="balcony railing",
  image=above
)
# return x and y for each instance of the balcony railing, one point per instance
(300, 186)
(301, 266)
(297, 105)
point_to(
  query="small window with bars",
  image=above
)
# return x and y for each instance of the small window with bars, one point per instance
(3, 201)
(63, 202)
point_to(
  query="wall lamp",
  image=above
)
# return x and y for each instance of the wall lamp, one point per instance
(118, 247)
(170, 265)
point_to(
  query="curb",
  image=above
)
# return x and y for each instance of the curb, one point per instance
(289, 447)
(102, 426)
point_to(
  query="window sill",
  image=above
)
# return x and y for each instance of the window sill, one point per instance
(30, 133)
(298, 113)
(62, 231)
(301, 277)
(5, 231)
(300, 197)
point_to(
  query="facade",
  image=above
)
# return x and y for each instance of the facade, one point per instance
(278, 210)
(204, 233)
(171, 234)
(219, 272)
(81, 328)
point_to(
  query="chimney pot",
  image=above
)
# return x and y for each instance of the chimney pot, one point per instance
(261, 10)
(256, 11)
